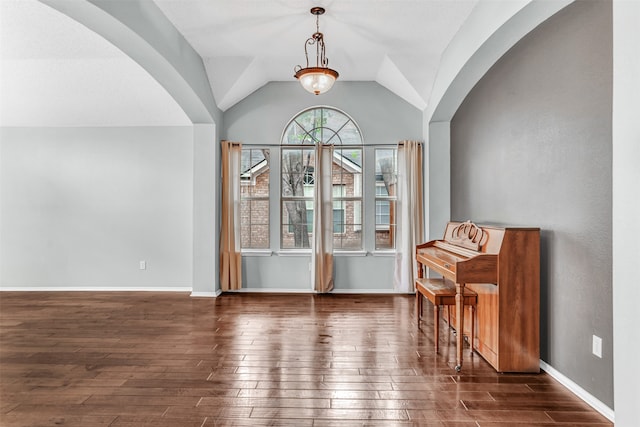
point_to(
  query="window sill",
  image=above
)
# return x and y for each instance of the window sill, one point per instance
(389, 253)
(349, 253)
(293, 252)
(256, 252)
(307, 252)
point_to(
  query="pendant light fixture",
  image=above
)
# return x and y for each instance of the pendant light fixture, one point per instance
(320, 78)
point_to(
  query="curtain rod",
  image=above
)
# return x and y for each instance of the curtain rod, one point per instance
(313, 145)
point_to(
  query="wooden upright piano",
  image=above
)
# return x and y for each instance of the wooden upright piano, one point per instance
(502, 265)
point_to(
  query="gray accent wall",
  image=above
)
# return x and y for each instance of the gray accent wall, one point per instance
(383, 118)
(531, 145)
(81, 207)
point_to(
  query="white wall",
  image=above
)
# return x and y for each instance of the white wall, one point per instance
(626, 210)
(206, 224)
(80, 207)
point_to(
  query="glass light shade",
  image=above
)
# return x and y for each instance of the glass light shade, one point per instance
(316, 80)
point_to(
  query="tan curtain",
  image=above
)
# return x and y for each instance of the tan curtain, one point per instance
(410, 217)
(230, 255)
(322, 245)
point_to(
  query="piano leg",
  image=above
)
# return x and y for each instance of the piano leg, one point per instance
(419, 297)
(459, 324)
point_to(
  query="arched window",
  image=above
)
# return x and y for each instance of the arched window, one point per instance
(303, 134)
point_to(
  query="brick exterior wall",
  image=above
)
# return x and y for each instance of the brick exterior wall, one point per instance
(254, 216)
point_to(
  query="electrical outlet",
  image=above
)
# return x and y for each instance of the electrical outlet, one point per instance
(597, 346)
(143, 265)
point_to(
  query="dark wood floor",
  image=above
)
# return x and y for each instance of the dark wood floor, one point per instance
(165, 359)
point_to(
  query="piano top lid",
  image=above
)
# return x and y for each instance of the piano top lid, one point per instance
(497, 226)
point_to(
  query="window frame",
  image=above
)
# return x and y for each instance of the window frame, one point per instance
(312, 139)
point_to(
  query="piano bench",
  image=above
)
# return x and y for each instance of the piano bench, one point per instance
(443, 292)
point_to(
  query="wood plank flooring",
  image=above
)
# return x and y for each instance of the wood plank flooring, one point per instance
(166, 359)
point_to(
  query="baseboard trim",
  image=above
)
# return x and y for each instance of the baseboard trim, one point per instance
(311, 291)
(587, 397)
(206, 294)
(369, 291)
(274, 291)
(187, 289)
(92, 289)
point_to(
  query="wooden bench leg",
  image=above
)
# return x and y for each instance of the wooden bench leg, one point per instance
(418, 308)
(459, 324)
(436, 329)
(473, 327)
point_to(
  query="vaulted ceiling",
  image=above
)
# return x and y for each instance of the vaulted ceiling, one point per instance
(58, 69)
(247, 43)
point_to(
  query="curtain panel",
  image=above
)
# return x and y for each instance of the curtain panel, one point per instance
(230, 250)
(410, 216)
(322, 244)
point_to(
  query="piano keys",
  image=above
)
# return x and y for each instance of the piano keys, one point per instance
(502, 265)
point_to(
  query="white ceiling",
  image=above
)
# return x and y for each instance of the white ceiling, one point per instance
(247, 43)
(56, 72)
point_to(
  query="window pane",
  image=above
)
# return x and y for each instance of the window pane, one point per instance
(254, 175)
(309, 222)
(338, 220)
(385, 224)
(295, 134)
(381, 189)
(311, 122)
(297, 171)
(254, 224)
(250, 159)
(335, 120)
(347, 170)
(297, 224)
(351, 243)
(386, 182)
(386, 167)
(254, 194)
(350, 135)
(347, 224)
(257, 238)
(322, 126)
(382, 214)
(310, 119)
(353, 157)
